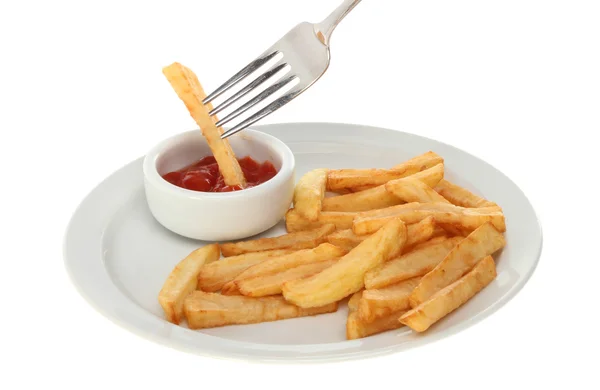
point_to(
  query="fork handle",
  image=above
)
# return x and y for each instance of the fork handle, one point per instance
(325, 28)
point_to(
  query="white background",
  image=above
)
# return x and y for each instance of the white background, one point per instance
(515, 82)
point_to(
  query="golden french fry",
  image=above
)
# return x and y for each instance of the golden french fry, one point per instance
(421, 260)
(190, 91)
(419, 232)
(469, 218)
(323, 252)
(426, 160)
(362, 179)
(209, 310)
(370, 199)
(455, 230)
(309, 194)
(308, 238)
(347, 275)
(385, 301)
(451, 297)
(183, 279)
(356, 328)
(416, 233)
(213, 276)
(354, 300)
(294, 222)
(460, 196)
(410, 190)
(230, 288)
(430, 176)
(484, 241)
(261, 286)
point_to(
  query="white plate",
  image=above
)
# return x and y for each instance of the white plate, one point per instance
(118, 256)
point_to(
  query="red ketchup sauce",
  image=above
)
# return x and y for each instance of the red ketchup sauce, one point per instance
(204, 175)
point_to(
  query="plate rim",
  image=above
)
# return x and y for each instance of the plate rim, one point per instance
(314, 358)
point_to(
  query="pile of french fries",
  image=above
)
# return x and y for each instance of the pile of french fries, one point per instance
(401, 246)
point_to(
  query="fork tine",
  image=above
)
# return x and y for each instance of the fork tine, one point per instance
(258, 98)
(244, 91)
(274, 106)
(251, 67)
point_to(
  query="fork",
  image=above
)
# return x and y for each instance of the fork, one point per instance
(301, 56)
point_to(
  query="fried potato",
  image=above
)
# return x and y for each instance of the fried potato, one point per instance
(294, 222)
(362, 179)
(410, 190)
(419, 232)
(416, 233)
(230, 288)
(430, 176)
(421, 260)
(484, 241)
(213, 276)
(309, 238)
(426, 160)
(356, 328)
(345, 239)
(347, 275)
(190, 91)
(374, 198)
(469, 218)
(354, 300)
(323, 252)
(183, 279)
(265, 285)
(455, 230)
(385, 301)
(451, 297)
(460, 196)
(309, 194)
(209, 310)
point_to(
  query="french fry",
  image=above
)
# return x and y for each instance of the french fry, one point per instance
(426, 160)
(356, 328)
(410, 190)
(183, 279)
(309, 194)
(210, 310)
(378, 197)
(265, 285)
(185, 83)
(468, 218)
(294, 222)
(484, 241)
(345, 239)
(430, 176)
(419, 232)
(354, 300)
(230, 288)
(309, 238)
(323, 252)
(421, 260)
(455, 230)
(460, 196)
(450, 297)
(374, 198)
(213, 276)
(361, 179)
(385, 301)
(347, 275)
(416, 233)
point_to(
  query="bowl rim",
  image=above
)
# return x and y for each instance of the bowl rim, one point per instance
(152, 176)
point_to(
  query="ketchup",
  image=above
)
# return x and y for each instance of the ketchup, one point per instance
(204, 175)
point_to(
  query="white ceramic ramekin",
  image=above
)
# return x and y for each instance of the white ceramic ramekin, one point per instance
(218, 216)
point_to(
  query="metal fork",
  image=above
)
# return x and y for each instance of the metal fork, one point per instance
(302, 56)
